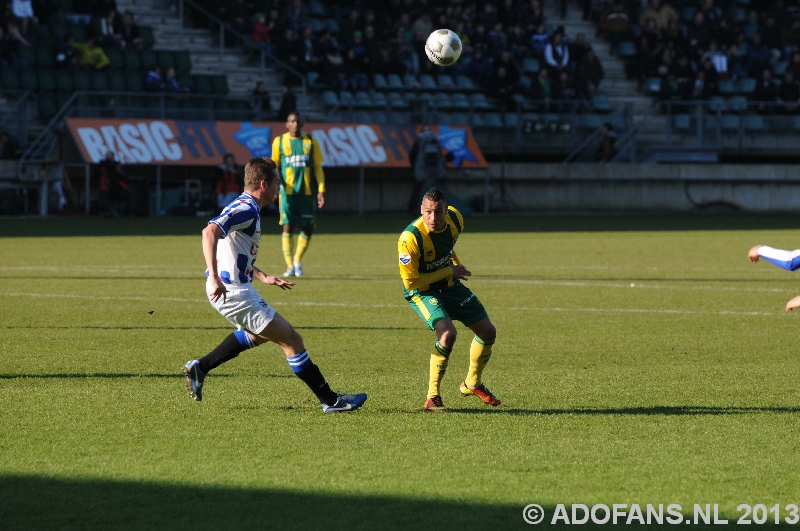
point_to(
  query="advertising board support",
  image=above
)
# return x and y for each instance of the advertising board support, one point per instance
(158, 190)
(361, 191)
(87, 184)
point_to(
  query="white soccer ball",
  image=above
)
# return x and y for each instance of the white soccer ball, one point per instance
(443, 47)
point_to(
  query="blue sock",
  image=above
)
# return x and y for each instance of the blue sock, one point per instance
(305, 369)
(232, 346)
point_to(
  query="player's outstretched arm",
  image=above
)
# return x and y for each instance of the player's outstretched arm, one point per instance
(792, 304)
(272, 280)
(211, 235)
(789, 260)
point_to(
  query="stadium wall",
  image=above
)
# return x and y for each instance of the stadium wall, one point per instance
(526, 187)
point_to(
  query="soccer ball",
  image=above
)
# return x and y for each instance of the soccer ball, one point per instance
(443, 47)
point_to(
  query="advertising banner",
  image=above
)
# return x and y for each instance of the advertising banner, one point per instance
(203, 143)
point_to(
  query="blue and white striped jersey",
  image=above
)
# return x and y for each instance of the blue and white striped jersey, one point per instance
(241, 233)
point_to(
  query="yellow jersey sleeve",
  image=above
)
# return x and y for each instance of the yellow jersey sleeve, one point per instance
(276, 152)
(409, 253)
(316, 160)
(454, 259)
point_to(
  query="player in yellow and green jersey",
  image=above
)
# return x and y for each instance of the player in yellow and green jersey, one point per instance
(299, 160)
(432, 275)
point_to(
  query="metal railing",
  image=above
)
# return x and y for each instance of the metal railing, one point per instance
(15, 115)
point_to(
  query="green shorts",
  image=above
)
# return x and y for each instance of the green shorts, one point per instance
(456, 302)
(298, 210)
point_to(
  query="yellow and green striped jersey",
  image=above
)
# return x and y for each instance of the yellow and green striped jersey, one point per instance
(299, 162)
(423, 253)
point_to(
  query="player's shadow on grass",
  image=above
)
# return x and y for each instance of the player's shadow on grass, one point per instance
(633, 411)
(45, 503)
(112, 375)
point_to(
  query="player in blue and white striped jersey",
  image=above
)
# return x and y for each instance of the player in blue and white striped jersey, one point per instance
(230, 247)
(789, 260)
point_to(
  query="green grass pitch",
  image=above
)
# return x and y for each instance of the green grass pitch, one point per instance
(639, 360)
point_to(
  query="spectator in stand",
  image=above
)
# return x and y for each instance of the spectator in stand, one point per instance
(667, 54)
(11, 148)
(577, 51)
(532, 13)
(288, 103)
(565, 93)
(9, 53)
(23, 11)
(297, 12)
(354, 67)
(644, 62)
(671, 91)
(608, 146)
(424, 24)
(556, 53)
(710, 15)
(789, 94)
(130, 32)
(479, 36)
(81, 12)
(153, 81)
(288, 50)
(108, 30)
(334, 69)
(717, 58)
(517, 41)
(589, 75)
(540, 40)
(91, 56)
(700, 90)
(683, 71)
(101, 7)
(711, 76)
(737, 62)
(311, 58)
(771, 35)
(650, 29)
(377, 54)
(65, 55)
(357, 53)
(794, 65)
(541, 89)
(790, 36)
(505, 60)
(260, 103)
(171, 83)
(698, 34)
(765, 92)
(674, 33)
(260, 35)
(13, 29)
(501, 88)
(353, 22)
(615, 25)
(661, 13)
(479, 68)
(113, 186)
(759, 56)
(229, 181)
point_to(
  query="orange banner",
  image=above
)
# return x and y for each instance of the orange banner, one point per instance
(203, 143)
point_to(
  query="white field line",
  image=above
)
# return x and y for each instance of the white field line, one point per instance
(633, 285)
(358, 305)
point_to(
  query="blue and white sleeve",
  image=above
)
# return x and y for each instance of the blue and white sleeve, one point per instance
(789, 260)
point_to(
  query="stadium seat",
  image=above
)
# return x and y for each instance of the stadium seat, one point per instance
(445, 81)
(399, 118)
(44, 56)
(47, 80)
(493, 120)
(183, 61)
(600, 103)
(315, 9)
(730, 122)
(459, 118)
(465, 83)
(362, 100)
(626, 49)
(116, 58)
(27, 54)
(590, 123)
(47, 106)
(726, 87)
(379, 82)
(99, 81)
(653, 85)
(747, 85)
(80, 32)
(525, 82)
(146, 33)
(427, 82)
(459, 101)
(165, 59)
(511, 119)
(717, 104)
(476, 120)
(796, 124)
(682, 122)
(379, 100)
(28, 79)
(379, 117)
(346, 99)
(361, 116)
(148, 57)
(395, 82)
(530, 66)
(737, 103)
(116, 82)
(779, 68)
(754, 123)
(9, 79)
(83, 82)
(332, 25)
(202, 84)
(479, 101)
(410, 81)
(134, 81)
(58, 30)
(132, 60)
(749, 30)
(687, 13)
(64, 81)
(396, 101)
(317, 25)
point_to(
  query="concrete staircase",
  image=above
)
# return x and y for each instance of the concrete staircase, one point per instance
(614, 85)
(203, 46)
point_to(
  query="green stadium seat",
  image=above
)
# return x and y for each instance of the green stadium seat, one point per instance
(754, 124)
(28, 54)
(44, 56)
(330, 99)
(146, 33)
(148, 58)
(726, 86)
(202, 84)
(492, 119)
(186, 81)
(47, 80)
(219, 84)
(737, 103)
(58, 30)
(427, 82)
(28, 79)
(116, 58)
(83, 81)
(446, 81)
(379, 100)
(747, 85)
(530, 65)
(183, 61)
(165, 59)
(465, 83)
(779, 68)
(362, 100)
(47, 106)
(80, 32)
(379, 82)
(134, 81)
(116, 81)
(730, 122)
(64, 80)
(394, 82)
(132, 60)
(99, 81)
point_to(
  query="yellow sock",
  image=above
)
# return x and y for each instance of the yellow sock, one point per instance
(286, 244)
(479, 353)
(302, 245)
(439, 359)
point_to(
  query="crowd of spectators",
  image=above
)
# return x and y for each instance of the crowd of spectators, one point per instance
(693, 46)
(389, 38)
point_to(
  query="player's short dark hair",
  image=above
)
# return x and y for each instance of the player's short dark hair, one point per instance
(435, 195)
(257, 170)
(297, 115)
